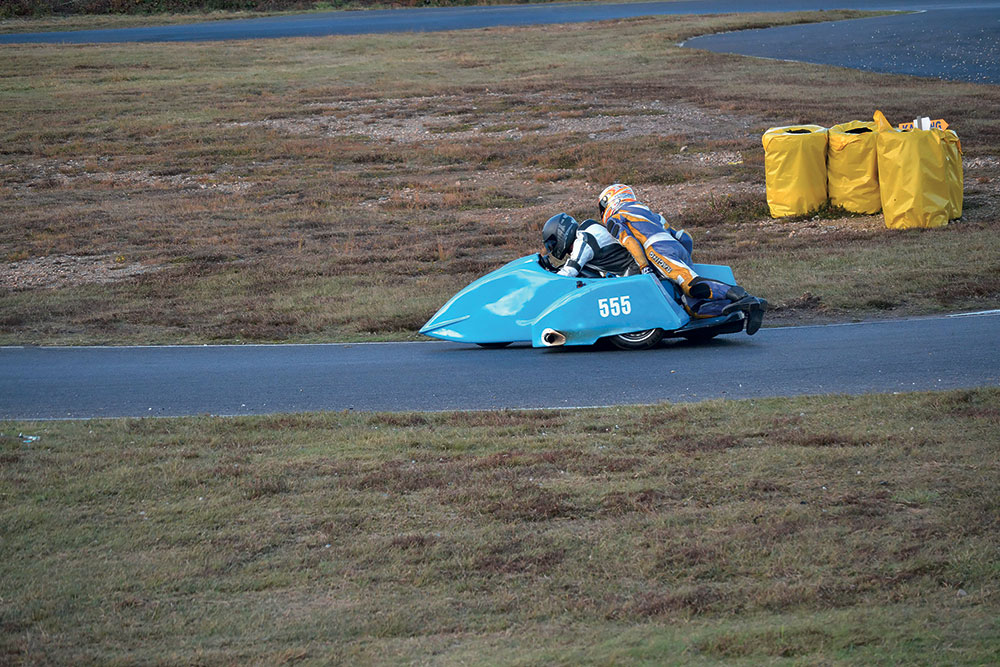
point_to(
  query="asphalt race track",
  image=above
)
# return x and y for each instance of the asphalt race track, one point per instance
(956, 44)
(952, 39)
(901, 355)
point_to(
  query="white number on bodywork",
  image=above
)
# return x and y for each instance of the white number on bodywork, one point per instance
(614, 306)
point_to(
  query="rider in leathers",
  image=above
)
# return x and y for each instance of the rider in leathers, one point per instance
(588, 244)
(657, 248)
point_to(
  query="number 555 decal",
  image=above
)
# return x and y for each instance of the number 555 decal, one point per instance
(615, 306)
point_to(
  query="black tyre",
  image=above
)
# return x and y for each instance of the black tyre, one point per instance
(493, 346)
(637, 340)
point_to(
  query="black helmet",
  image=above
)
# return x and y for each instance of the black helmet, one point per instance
(558, 234)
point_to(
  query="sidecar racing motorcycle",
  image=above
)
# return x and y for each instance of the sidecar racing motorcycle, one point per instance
(525, 301)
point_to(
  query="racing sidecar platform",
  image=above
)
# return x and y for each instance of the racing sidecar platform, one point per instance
(524, 302)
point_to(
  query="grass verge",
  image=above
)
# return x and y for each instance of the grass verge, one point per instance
(807, 530)
(342, 188)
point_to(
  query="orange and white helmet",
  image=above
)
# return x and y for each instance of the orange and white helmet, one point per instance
(613, 198)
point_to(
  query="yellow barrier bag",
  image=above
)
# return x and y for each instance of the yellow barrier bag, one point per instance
(952, 150)
(852, 167)
(920, 174)
(795, 169)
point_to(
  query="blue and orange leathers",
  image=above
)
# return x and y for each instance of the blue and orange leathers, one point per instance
(654, 243)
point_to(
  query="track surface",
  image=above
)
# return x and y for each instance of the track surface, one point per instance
(952, 39)
(957, 44)
(459, 18)
(900, 355)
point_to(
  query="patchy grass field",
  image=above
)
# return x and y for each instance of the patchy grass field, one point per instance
(856, 530)
(342, 188)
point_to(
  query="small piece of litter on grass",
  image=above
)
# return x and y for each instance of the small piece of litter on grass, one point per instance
(28, 439)
(961, 593)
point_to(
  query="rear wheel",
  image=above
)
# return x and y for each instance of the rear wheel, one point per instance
(638, 340)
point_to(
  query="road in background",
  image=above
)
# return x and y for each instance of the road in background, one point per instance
(956, 44)
(459, 18)
(954, 39)
(890, 356)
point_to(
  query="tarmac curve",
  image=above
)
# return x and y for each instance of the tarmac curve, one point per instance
(951, 39)
(960, 44)
(919, 354)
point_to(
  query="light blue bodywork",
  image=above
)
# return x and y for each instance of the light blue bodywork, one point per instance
(521, 301)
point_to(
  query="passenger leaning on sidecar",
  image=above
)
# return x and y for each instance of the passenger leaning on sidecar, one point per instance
(588, 244)
(657, 248)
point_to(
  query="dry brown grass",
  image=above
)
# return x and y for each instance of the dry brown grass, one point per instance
(821, 530)
(342, 188)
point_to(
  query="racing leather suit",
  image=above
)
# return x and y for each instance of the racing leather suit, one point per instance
(596, 249)
(653, 243)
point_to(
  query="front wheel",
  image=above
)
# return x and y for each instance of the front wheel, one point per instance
(638, 340)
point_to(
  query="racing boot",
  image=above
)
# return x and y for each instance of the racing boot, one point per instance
(701, 288)
(752, 306)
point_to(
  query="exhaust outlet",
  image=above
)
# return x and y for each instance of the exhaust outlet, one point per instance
(553, 338)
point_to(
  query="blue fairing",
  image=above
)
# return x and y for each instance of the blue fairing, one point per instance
(521, 300)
